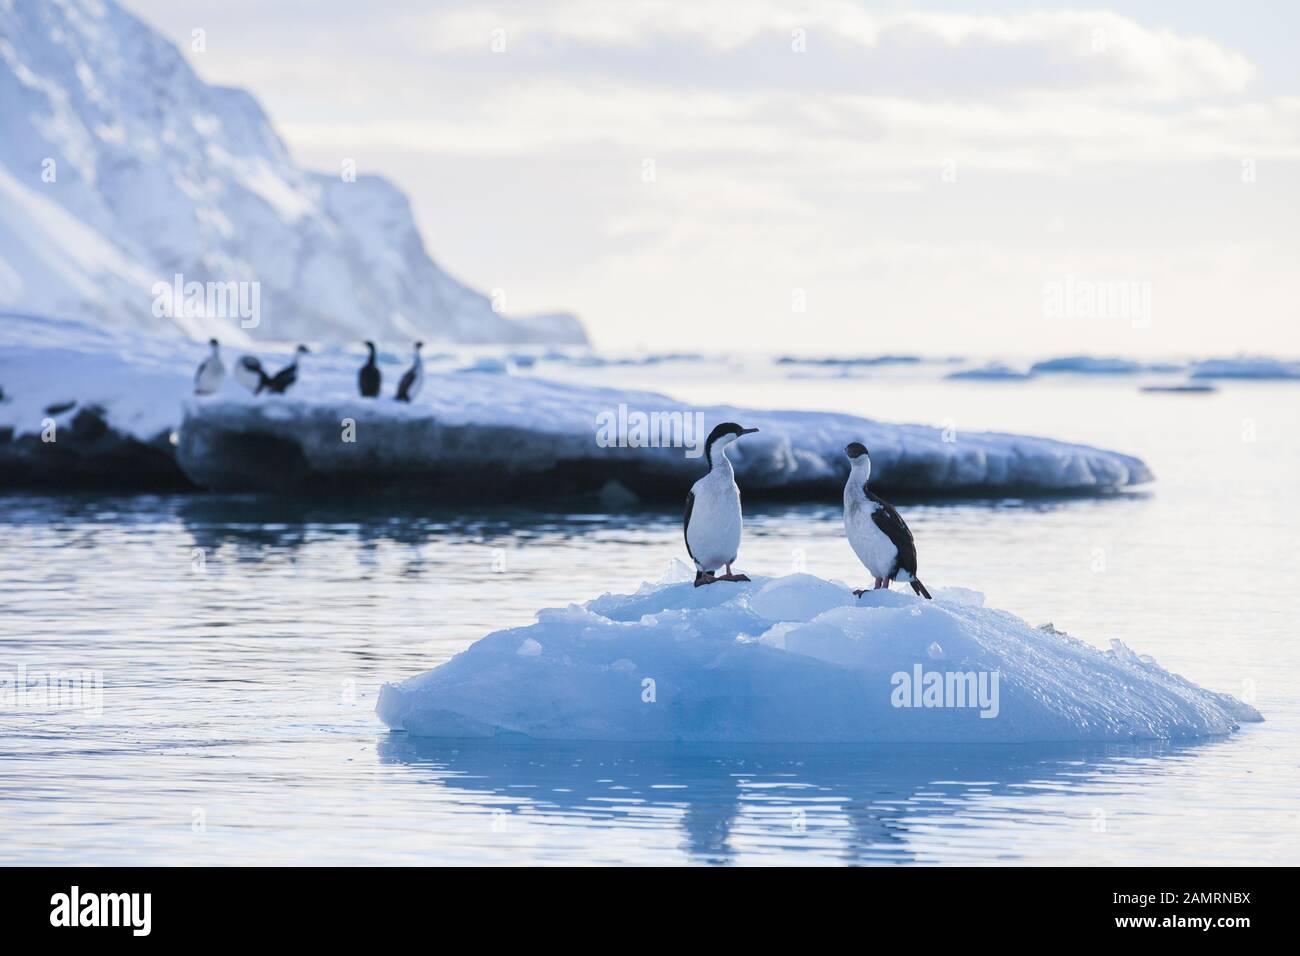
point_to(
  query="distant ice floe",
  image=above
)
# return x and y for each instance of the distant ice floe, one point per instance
(860, 360)
(992, 372)
(1246, 368)
(799, 659)
(1101, 365)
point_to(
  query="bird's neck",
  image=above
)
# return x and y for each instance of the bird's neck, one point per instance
(858, 477)
(720, 463)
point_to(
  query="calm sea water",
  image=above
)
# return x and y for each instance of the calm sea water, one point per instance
(237, 717)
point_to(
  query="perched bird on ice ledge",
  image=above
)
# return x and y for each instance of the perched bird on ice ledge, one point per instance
(712, 521)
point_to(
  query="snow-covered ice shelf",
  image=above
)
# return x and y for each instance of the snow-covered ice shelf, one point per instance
(799, 659)
(497, 435)
(477, 430)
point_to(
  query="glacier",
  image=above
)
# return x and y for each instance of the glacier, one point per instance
(798, 659)
(121, 169)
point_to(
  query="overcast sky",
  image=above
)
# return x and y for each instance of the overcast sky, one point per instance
(816, 177)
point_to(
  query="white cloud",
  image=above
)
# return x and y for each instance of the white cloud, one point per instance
(847, 45)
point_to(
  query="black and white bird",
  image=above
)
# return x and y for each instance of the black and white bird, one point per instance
(876, 531)
(249, 373)
(210, 372)
(712, 520)
(368, 378)
(413, 379)
(279, 383)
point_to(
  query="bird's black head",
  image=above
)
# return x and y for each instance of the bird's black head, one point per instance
(213, 342)
(728, 428)
(855, 450)
(722, 436)
(249, 362)
(302, 350)
(370, 345)
(418, 346)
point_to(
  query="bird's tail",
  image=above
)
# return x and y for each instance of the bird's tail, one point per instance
(919, 588)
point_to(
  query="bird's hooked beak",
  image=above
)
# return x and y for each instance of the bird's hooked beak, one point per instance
(748, 431)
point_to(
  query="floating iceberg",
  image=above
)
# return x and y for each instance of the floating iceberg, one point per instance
(799, 659)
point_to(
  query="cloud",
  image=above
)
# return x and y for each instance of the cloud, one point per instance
(841, 45)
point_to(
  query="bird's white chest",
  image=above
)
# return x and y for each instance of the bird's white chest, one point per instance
(246, 376)
(713, 532)
(869, 543)
(210, 374)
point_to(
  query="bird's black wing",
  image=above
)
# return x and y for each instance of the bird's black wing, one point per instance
(404, 386)
(282, 379)
(369, 381)
(686, 522)
(889, 521)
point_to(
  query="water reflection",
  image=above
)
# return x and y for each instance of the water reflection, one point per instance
(866, 800)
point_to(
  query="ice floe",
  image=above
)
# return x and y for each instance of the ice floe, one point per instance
(482, 427)
(800, 659)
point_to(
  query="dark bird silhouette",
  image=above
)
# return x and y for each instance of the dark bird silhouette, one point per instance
(411, 381)
(279, 383)
(368, 379)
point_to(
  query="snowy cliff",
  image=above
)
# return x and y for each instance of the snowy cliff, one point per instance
(799, 659)
(120, 169)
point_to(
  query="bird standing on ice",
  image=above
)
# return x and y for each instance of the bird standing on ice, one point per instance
(250, 374)
(878, 534)
(368, 378)
(712, 521)
(409, 386)
(210, 372)
(279, 383)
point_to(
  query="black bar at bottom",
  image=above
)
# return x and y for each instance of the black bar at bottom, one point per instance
(364, 905)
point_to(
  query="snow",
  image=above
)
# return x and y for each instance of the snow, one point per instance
(120, 168)
(799, 659)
